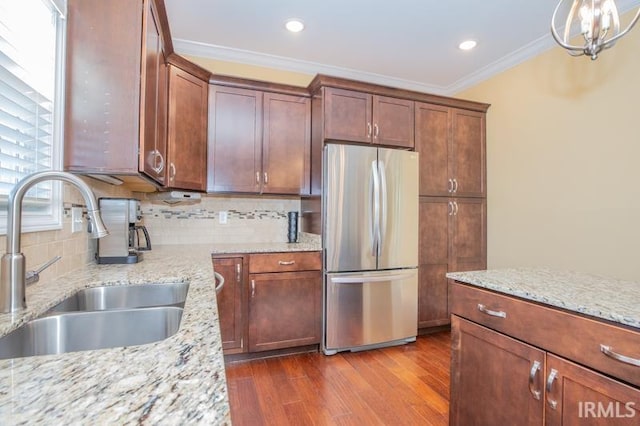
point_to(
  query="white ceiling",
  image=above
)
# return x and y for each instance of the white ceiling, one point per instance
(410, 44)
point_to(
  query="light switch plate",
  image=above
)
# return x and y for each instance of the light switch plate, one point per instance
(222, 218)
(76, 219)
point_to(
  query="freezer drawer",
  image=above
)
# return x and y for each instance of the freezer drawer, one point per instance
(370, 308)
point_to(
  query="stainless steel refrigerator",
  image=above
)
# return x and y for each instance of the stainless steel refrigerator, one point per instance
(370, 238)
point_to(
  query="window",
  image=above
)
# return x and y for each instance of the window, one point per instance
(31, 64)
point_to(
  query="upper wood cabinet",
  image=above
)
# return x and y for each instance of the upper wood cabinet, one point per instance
(451, 142)
(259, 142)
(187, 131)
(362, 117)
(116, 88)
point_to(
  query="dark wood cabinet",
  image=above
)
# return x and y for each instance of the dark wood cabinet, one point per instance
(452, 144)
(115, 89)
(187, 131)
(519, 362)
(362, 117)
(270, 301)
(577, 396)
(496, 380)
(452, 238)
(231, 305)
(284, 310)
(259, 142)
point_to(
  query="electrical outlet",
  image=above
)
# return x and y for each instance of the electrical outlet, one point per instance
(76, 219)
(222, 218)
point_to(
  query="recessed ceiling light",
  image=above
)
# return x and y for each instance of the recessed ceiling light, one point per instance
(467, 45)
(294, 25)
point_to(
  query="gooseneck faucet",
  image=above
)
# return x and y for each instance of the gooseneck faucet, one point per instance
(12, 275)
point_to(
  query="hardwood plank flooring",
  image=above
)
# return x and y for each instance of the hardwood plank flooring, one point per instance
(402, 385)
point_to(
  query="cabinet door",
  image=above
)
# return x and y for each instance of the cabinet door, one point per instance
(347, 115)
(103, 77)
(579, 396)
(432, 142)
(230, 307)
(187, 159)
(153, 114)
(284, 310)
(393, 122)
(495, 380)
(469, 235)
(433, 262)
(286, 144)
(234, 140)
(467, 156)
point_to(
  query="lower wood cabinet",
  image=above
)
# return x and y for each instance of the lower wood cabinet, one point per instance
(269, 301)
(284, 310)
(516, 379)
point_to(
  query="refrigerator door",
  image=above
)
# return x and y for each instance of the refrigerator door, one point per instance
(350, 183)
(370, 308)
(398, 172)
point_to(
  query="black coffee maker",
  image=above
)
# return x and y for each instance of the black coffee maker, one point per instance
(127, 238)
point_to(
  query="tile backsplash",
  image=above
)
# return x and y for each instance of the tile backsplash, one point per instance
(248, 219)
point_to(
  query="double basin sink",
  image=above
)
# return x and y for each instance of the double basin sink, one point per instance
(99, 318)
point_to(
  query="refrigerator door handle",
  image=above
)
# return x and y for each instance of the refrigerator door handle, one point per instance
(382, 222)
(359, 279)
(375, 222)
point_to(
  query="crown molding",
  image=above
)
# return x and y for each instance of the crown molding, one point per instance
(222, 53)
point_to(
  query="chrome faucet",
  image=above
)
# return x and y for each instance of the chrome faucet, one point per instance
(12, 275)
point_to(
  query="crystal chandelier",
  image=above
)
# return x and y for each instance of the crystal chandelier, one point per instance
(599, 24)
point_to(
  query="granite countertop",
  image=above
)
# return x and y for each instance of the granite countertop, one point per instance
(306, 242)
(600, 297)
(179, 380)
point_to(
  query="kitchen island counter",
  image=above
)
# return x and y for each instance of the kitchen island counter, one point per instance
(179, 380)
(604, 298)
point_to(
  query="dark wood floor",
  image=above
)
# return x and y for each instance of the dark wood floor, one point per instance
(403, 385)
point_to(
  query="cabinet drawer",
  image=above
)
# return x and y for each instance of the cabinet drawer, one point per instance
(285, 262)
(566, 334)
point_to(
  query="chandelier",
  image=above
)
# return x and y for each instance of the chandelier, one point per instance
(599, 24)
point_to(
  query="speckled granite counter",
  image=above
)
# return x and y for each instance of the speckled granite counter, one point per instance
(609, 299)
(177, 381)
(307, 242)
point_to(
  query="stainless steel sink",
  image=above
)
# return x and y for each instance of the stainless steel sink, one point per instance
(124, 297)
(80, 331)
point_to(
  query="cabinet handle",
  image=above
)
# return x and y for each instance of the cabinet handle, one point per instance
(157, 161)
(618, 357)
(238, 272)
(455, 186)
(220, 279)
(455, 206)
(286, 262)
(376, 130)
(257, 178)
(368, 130)
(450, 208)
(266, 178)
(253, 288)
(552, 376)
(484, 310)
(450, 186)
(532, 377)
(172, 172)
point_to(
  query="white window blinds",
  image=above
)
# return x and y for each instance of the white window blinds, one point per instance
(30, 129)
